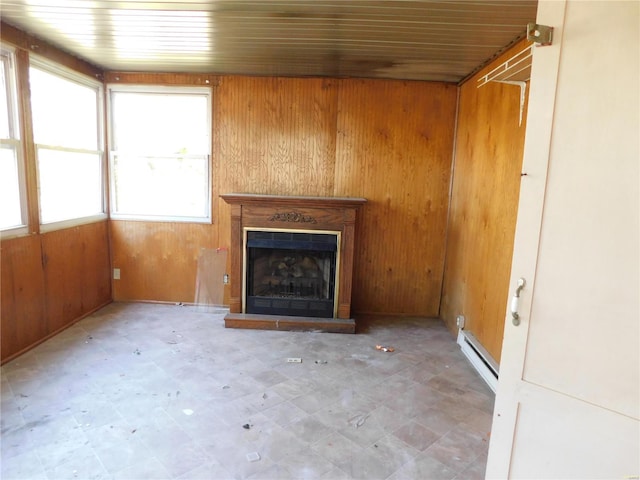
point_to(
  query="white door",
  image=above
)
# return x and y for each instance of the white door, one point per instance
(568, 397)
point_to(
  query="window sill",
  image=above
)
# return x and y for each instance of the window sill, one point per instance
(16, 232)
(161, 219)
(74, 222)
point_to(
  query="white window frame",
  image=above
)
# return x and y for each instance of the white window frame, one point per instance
(15, 141)
(158, 89)
(85, 81)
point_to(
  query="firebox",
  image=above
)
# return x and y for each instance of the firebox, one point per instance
(291, 272)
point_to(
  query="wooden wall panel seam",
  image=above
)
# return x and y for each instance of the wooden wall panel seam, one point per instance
(450, 196)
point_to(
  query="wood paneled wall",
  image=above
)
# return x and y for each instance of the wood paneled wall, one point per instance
(22, 294)
(76, 268)
(388, 141)
(158, 261)
(394, 148)
(275, 135)
(51, 280)
(48, 281)
(484, 204)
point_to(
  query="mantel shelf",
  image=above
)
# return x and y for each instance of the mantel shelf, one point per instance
(290, 200)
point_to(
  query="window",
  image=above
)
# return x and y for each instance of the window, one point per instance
(160, 153)
(12, 185)
(67, 127)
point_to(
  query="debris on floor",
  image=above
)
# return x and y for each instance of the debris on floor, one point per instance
(359, 356)
(321, 362)
(358, 420)
(187, 411)
(136, 352)
(226, 387)
(294, 360)
(385, 349)
(253, 456)
(246, 426)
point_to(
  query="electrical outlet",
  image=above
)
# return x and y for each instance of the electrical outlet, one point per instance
(460, 321)
(225, 279)
(116, 274)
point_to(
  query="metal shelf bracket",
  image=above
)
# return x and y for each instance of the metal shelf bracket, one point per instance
(523, 95)
(542, 35)
(517, 69)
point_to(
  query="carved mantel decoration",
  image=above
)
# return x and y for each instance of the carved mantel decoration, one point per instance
(292, 217)
(253, 211)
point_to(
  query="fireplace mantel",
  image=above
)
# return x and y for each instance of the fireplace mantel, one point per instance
(292, 200)
(336, 214)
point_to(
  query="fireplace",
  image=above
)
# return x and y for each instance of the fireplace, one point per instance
(291, 262)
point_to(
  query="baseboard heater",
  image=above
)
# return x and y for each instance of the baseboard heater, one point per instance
(479, 358)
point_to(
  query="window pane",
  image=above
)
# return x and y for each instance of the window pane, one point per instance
(9, 189)
(4, 101)
(160, 186)
(65, 113)
(160, 153)
(70, 185)
(155, 123)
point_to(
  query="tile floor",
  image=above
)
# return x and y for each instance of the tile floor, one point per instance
(142, 391)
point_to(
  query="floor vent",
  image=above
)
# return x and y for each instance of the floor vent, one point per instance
(479, 358)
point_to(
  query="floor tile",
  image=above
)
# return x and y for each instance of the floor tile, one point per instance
(393, 452)
(458, 448)
(306, 464)
(338, 449)
(24, 466)
(425, 467)
(144, 391)
(416, 435)
(284, 413)
(207, 471)
(84, 464)
(148, 467)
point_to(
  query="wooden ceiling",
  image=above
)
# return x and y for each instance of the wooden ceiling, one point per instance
(439, 40)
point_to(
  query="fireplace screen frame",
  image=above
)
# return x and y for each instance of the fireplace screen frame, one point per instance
(245, 253)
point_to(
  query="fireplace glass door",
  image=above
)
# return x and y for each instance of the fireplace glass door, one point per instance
(291, 273)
